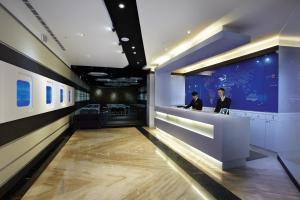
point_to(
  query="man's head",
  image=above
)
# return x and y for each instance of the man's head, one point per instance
(221, 92)
(195, 95)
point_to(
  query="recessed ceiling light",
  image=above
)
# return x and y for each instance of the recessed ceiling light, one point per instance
(134, 52)
(97, 74)
(81, 34)
(121, 5)
(108, 28)
(124, 39)
(103, 79)
(133, 47)
(189, 32)
(137, 62)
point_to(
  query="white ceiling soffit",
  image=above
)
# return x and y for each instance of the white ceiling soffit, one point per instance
(165, 23)
(69, 20)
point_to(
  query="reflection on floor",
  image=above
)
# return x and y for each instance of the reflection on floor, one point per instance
(262, 178)
(117, 163)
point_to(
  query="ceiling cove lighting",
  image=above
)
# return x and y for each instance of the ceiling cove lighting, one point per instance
(242, 51)
(185, 45)
(253, 47)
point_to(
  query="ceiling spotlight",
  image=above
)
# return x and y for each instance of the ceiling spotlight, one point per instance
(134, 52)
(133, 47)
(137, 62)
(97, 74)
(108, 28)
(189, 32)
(124, 39)
(80, 34)
(121, 5)
(103, 79)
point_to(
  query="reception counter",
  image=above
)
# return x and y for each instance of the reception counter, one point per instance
(224, 138)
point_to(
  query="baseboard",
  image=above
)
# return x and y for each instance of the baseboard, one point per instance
(289, 173)
(17, 186)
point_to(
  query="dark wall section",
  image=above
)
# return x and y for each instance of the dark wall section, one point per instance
(123, 95)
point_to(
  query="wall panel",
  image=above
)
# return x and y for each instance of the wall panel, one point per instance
(28, 122)
(8, 90)
(15, 155)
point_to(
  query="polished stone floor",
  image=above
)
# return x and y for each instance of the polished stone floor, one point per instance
(118, 163)
(123, 163)
(262, 178)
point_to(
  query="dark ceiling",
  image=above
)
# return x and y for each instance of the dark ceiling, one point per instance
(111, 77)
(126, 23)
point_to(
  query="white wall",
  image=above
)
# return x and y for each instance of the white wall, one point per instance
(289, 80)
(162, 88)
(17, 153)
(177, 90)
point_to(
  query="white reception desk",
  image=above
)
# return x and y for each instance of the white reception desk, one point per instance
(223, 137)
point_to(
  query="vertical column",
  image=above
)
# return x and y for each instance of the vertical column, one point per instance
(150, 100)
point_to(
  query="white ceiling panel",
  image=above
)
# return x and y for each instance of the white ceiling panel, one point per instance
(164, 23)
(68, 19)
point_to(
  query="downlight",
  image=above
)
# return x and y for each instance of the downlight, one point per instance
(121, 5)
(99, 74)
(124, 39)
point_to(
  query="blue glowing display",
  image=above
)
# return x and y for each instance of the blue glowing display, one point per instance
(61, 95)
(251, 84)
(23, 93)
(48, 94)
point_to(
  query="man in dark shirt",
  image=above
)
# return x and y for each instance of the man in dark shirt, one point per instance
(223, 102)
(196, 103)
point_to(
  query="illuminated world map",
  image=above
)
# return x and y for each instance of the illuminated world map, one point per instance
(251, 84)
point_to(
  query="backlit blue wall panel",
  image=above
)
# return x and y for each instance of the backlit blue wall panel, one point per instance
(251, 84)
(23, 93)
(61, 94)
(48, 94)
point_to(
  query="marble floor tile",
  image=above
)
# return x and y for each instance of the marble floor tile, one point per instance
(116, 163)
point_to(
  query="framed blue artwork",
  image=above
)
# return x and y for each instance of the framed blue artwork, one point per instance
(48, 94)
(61, 95)
(23, 93)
